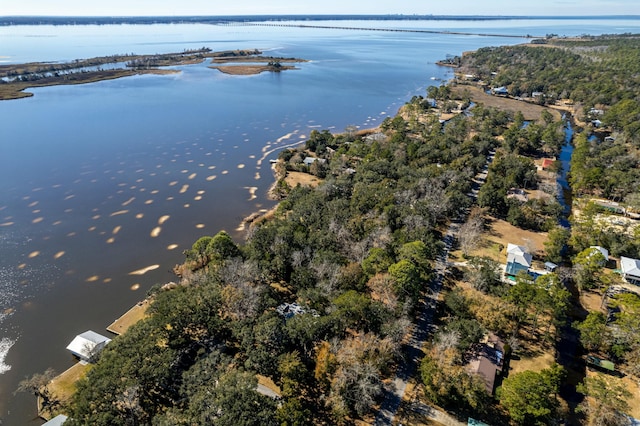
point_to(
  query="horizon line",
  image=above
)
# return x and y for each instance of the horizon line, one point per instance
(414, 15)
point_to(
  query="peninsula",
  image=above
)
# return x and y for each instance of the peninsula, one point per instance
(16, 78)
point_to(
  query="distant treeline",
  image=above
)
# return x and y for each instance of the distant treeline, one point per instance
(147, 20)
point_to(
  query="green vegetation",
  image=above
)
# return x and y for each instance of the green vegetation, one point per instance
(356, 254)
(530, 397)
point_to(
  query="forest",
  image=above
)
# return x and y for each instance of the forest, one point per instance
(321, 295)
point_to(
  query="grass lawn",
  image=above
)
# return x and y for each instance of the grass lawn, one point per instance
(529, 111)
(62, 387)
(132, 316)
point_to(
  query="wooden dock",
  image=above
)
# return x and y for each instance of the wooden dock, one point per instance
(132, 316)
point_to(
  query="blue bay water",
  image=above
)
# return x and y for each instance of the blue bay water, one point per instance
(103, 180)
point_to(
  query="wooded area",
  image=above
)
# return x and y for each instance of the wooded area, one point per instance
(356, 253)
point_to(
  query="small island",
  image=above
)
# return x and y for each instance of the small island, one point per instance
(16, 78)
(253, 64)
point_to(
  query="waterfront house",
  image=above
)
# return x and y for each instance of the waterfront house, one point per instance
(381, 137)
(56, 421)
(310, 160)
(630, 270)
(88, 345)
(517, 260)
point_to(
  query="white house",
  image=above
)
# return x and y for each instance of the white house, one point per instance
(517, 260)
(87, 345)
(56, 421)
(630, 269)
(500, 91)
(310, 160)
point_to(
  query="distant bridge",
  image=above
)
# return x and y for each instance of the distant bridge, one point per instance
(394, 30)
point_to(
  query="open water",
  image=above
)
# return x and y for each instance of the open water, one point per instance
(102, 186)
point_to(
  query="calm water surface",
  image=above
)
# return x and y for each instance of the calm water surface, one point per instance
(100, 182)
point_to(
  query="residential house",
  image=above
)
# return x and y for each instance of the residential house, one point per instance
(487, 361)
(381, 137)
(500, 91)
(474, 422)
(602, 250)
(310, 160)
(518, 259)
(517, 194)
(56, 421)
(547, 163)
(88, 345)
(289, 310)
(630, 270)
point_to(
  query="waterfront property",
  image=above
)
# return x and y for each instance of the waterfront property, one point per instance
(630, 270)
(56, 421)
(310, 160)
(88, 345)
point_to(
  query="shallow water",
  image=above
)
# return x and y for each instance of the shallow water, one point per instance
(104, 185)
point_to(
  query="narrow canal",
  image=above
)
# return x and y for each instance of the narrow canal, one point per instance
(564, 190)
(568, 347)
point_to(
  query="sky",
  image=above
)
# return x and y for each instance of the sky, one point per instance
(280, 7)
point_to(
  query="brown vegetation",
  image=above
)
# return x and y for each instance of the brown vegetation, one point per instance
(530, 111)
(249, 69)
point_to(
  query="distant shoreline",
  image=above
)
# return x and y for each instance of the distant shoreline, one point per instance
(20, 77)
(224, 19)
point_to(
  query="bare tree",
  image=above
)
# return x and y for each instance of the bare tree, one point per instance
(470, 233)
(37, 386)
(447, 340)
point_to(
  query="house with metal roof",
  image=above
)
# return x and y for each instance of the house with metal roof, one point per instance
(518, 259)
(603, 251)
(310, 160)
(56, 421)
(88, 345)
(500, 91)
(630, 270)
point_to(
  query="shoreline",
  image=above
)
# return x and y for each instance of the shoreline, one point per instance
(20, 77)
(249, 69)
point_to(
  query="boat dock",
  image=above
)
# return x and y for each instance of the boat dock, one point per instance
(132, 316)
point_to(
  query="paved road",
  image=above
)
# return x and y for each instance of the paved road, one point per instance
(422, 330)
(423, 327)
